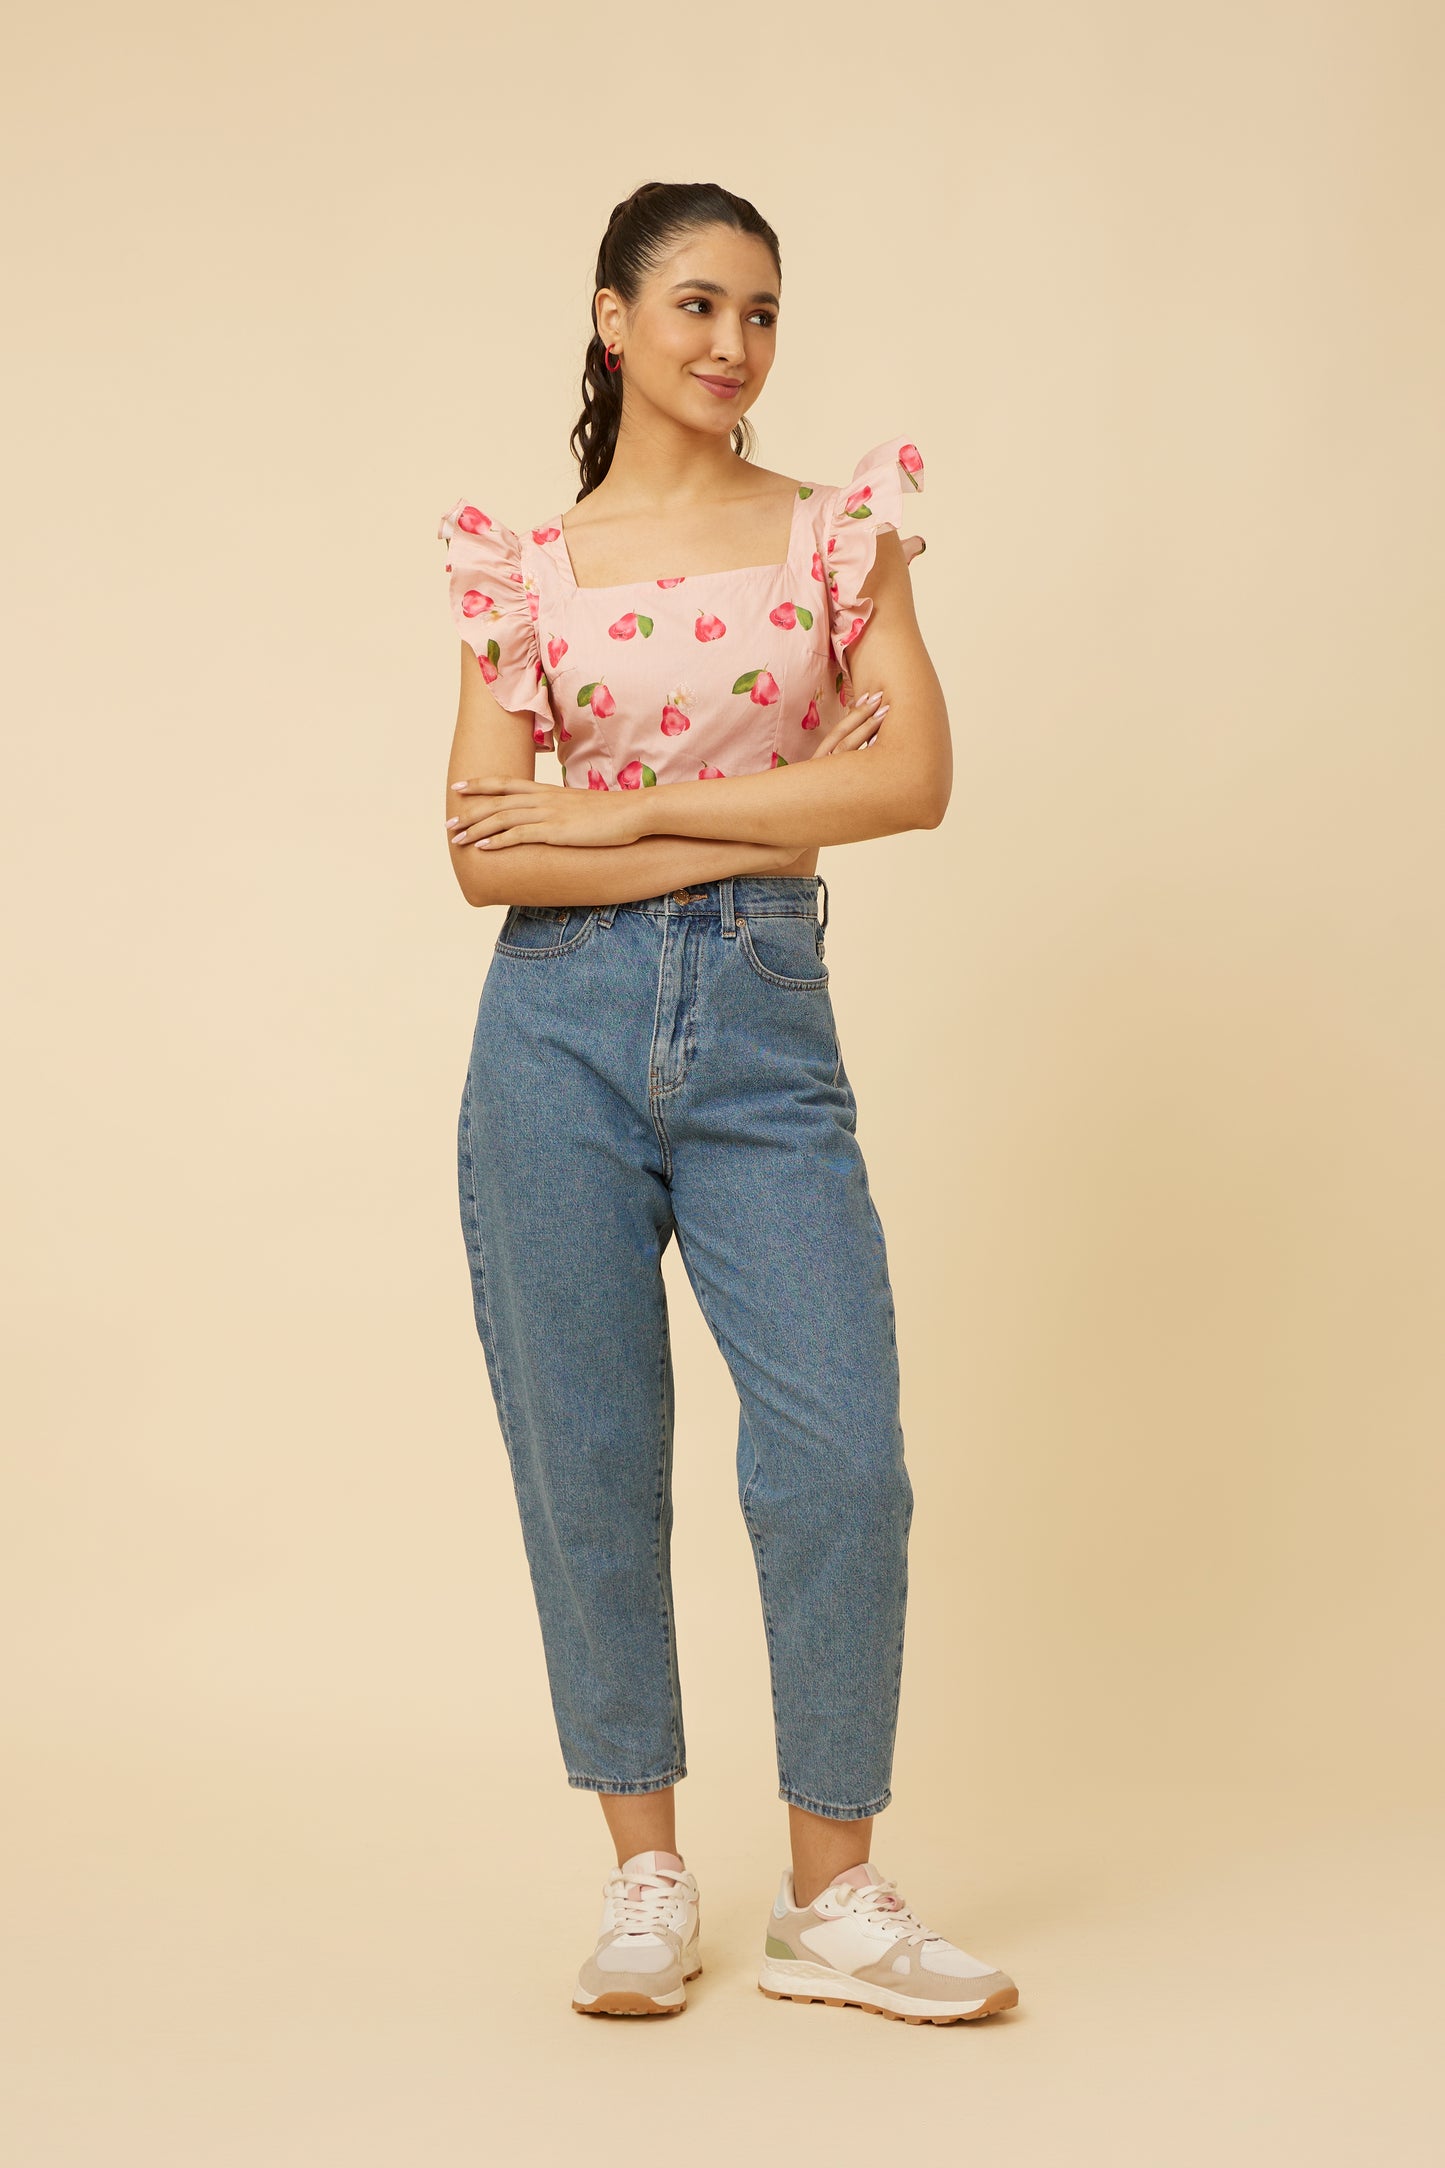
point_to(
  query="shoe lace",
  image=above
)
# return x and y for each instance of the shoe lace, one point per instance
(880, 1901)
(639, 1901)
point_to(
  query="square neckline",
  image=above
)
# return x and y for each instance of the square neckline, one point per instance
(730, 572)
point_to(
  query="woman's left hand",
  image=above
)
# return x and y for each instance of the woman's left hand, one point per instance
(514, 810)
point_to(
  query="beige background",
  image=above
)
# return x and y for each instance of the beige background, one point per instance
(1148, 1039)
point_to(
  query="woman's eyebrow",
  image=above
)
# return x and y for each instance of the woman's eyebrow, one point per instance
(711, 286)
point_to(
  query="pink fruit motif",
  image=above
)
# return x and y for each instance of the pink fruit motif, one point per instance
(789, 614)
(598, 698)
(705, 774)
(674, 722)
(564, 734)
(629, 625)
(760, 686)
(811, 718)
(825, 572)
(853, 631)
(488, 659)
(856, 505)
(635, 776)
(475, 603)
(545, 534)
(707, 627)
(471, 521)
(556, 649)
(910, 460)
(596, 781)
(778, 761)
(677, 582)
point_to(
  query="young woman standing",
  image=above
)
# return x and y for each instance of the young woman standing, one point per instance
(656, 1057)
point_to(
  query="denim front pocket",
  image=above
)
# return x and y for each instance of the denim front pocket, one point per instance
(786, 950)
(539, 929)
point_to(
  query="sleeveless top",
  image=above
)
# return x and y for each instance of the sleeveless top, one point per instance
(677, 680)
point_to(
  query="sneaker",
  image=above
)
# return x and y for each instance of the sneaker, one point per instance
(859, 1943)
(647, 1943)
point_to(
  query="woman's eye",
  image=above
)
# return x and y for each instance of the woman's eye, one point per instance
(768, 318)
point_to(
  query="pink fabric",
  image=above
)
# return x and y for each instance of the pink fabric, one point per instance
(675, 679)
(649, 1863)
(863, 1877)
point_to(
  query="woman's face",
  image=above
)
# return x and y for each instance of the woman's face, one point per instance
(710, 309)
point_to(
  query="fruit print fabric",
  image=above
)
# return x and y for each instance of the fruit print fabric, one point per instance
(678, 679)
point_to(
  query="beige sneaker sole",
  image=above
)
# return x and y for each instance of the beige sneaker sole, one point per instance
(909, 2008)
(626, 2002)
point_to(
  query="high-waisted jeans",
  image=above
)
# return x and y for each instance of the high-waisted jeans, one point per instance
(672, 1067)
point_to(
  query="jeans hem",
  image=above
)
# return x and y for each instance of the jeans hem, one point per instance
(831, 1809)
(581, 1783)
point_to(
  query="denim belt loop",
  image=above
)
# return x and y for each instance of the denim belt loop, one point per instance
(725, 898)
(606, 914)
(823, 923)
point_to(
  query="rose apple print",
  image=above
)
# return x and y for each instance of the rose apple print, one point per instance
(675, 717)
(824, 572)
(789, 614)
(811, 719)
(629, 625)
(598, 698)
(635, 776)
(911, 461)
(545, 534)
(476, 604)
(471, 521)
(707, 627)
(705, 774)
(596, 781)
(676, 582)
(759, 685)
(556, 649)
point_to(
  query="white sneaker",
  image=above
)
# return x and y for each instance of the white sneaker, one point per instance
(647, 1943)
(859, 1943)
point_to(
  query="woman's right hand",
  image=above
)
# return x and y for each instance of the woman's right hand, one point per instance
(855, 728)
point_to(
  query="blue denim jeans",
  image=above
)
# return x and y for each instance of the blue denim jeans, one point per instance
(666, 1068)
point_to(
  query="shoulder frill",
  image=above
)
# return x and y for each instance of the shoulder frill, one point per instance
(494, 602)
(861, 509)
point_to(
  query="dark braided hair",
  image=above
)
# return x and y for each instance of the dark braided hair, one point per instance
(644, 228)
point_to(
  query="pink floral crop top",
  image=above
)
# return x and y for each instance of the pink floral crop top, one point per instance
(678, 680)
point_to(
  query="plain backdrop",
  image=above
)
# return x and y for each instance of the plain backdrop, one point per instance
(1148, 1040)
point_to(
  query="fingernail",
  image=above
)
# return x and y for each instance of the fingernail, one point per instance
(880, 711)
(455, 820)
(872, 696)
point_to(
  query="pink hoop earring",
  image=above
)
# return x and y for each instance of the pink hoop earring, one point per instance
(608, 362)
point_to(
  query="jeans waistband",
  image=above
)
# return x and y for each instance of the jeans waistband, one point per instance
(756, 895)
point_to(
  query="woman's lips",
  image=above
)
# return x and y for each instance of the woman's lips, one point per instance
(722, 387)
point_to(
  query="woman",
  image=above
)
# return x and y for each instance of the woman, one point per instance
(655, 1055)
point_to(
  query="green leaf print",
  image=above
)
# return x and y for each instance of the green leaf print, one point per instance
(805, 617)
(748, 680)
(644, 626)
(805, 490)
(584, 698)
(859, 511)
(494, 653)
